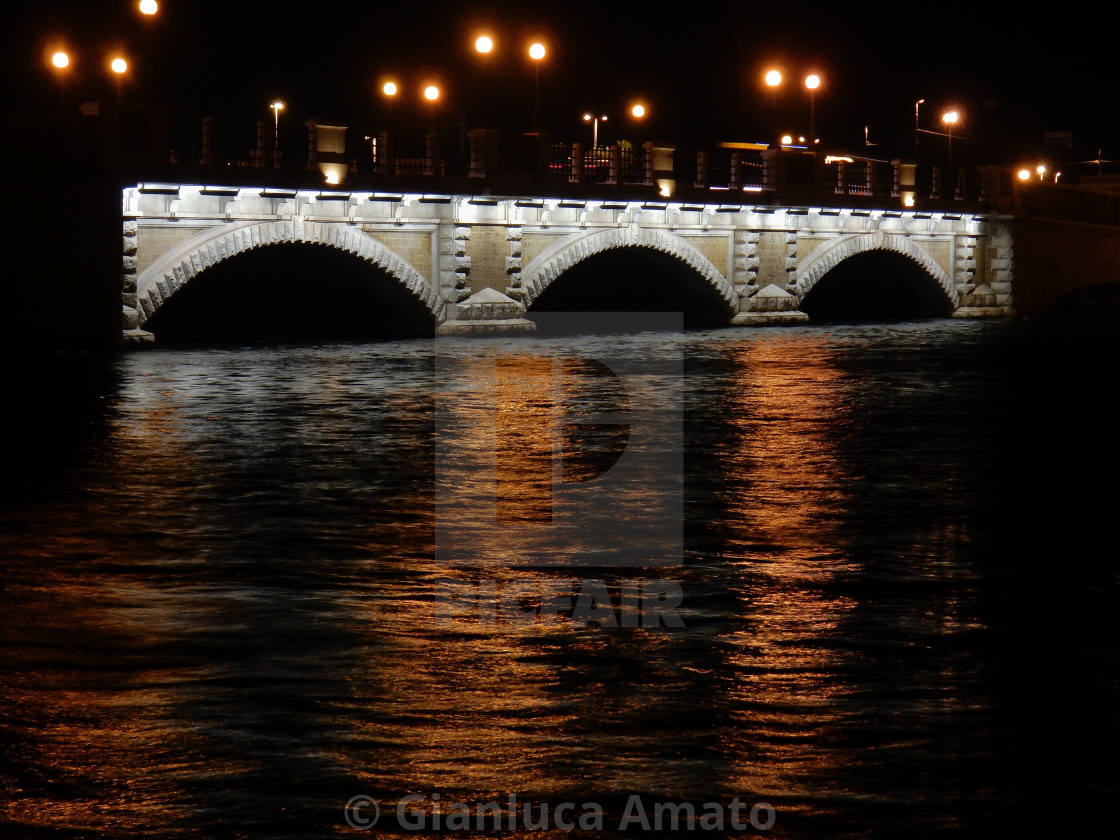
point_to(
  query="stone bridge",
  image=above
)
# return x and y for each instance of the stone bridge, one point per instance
(478, 264)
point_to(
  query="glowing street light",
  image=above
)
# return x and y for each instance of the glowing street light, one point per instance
(917, 105)
(638, 111)
(148, 7)
(484, 47)
(537, 54)
(773, 80)
(60, 63)
(389, 90)
(119, 67)
(950, 119)
(431, 93)
(812, 82)
(277, 106)
(595, 127)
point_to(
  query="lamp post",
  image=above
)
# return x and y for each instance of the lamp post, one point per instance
(119, 67)
(277, 106)
(389, 89)
(148, 7)
(917, 105)
(950, 119)
(537, 54)
(431, 93)
(60, 63)
(812, 82)
(484, 46)
(773, 81)
(595, 127)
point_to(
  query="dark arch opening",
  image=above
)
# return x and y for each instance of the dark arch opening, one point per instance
(635, 279)
(876, 286)
(291, 292)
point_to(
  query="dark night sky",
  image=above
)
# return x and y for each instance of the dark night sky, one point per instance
(697, 65)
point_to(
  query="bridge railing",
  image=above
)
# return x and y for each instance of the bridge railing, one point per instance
(861, 177)
(487, 161)
(730, 169)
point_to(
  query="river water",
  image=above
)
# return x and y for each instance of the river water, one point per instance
(244, 587)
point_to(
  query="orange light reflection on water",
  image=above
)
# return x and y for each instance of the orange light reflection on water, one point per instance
(788, 408)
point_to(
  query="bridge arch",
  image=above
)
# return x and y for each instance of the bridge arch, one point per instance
(159, 281)
(570, 251)
(828, 255)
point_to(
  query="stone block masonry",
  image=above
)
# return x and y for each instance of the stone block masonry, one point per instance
(474, 263)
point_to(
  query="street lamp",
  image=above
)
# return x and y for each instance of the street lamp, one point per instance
(773, 80)
(812, 82)
(148, 7)
(277, 106)
(537, 54)
(60, 62)
(431, 93)
(916, 129)
(950, 119)
(484, 46)
(389, 89)
(119, 67)
(594, 128)
(638, 110)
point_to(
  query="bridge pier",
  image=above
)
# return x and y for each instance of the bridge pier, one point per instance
(487, 312)
(770, 306)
